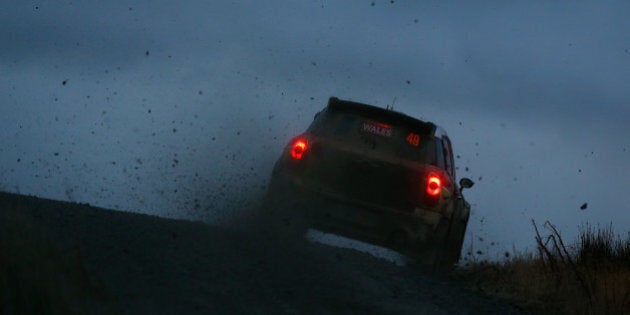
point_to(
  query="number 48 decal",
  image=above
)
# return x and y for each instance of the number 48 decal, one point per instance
(413, 139)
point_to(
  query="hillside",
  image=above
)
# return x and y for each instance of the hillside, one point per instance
(140, 264)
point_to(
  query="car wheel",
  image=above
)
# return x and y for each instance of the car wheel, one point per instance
(454, 240)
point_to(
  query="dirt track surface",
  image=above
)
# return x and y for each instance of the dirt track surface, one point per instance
(153, 265)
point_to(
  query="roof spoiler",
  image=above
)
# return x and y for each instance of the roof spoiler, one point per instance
(382, 114)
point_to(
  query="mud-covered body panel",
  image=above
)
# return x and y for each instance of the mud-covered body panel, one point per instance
(403, 229)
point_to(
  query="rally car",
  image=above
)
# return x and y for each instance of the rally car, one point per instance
(375, 175)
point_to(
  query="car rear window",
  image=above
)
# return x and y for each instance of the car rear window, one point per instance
(385, 136)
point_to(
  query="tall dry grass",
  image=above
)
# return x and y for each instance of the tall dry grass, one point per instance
(591, 276)
(37, 276)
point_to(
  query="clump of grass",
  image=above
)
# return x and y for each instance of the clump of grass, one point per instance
(602, 249)
(37, 276)
(589, 277)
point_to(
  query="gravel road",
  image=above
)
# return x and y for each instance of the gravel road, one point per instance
(153, 265)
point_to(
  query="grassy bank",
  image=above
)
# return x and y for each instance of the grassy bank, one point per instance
(37, 276)
(589, 277)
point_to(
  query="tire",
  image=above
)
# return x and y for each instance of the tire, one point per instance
(454, 240)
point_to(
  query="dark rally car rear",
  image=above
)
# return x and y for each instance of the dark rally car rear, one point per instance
(368, 173)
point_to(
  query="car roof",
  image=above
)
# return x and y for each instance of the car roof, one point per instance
(385, 115)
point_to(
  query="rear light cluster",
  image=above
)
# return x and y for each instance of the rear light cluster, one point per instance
(298, 148)
(435, 181)
(434, 185)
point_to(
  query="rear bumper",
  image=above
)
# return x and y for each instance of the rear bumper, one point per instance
(406, 231)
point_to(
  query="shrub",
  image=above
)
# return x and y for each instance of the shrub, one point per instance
(590, 277)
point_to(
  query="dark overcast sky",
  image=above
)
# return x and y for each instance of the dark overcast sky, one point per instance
(180, 108)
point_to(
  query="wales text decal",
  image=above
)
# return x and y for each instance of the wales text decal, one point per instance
(378, 129)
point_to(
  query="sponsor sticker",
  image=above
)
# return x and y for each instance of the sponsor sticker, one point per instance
(413, 139)
(377, 128)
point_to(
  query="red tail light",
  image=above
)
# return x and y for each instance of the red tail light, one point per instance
(299, 147)
(434, 185)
